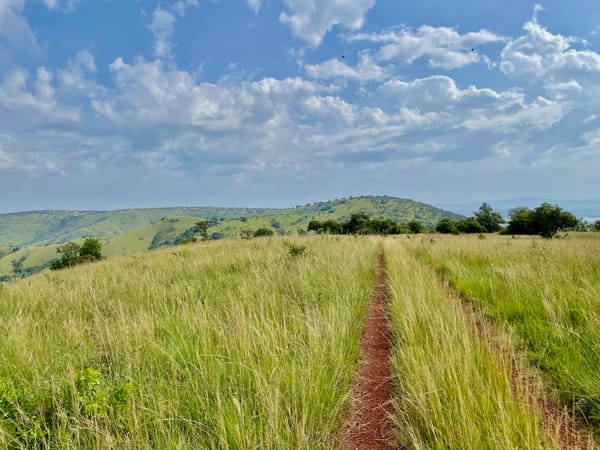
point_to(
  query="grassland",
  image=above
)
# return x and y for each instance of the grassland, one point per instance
(27, 260)
(454, 390)
(247, 344)
(547, 291)
(229, 344)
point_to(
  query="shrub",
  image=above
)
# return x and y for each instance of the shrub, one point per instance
(263, 232)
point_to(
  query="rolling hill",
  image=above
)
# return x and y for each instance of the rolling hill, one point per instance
(29, 241)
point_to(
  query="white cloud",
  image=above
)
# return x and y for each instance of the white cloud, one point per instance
(163, 29)
(154, 92)
(254, 4)
(14, 28)
(366, 69)
(180, 6)
(541, 54)
(15, 96)
(163, 26)
(439, 93)
(64, 5)
(74, 76)
(444, 47)
(310, 20)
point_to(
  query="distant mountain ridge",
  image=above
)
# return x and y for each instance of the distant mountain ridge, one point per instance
(51, 227)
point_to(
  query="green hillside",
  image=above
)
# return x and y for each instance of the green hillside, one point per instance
(35, 247)
(28, 260)
(48, 227)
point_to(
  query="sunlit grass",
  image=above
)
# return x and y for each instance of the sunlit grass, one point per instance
(216, 345)
(548, 291)
(454, 384)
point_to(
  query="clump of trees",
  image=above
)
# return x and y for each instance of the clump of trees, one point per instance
(361, 224)
(74, 254)
(484, 220)
(546, 220)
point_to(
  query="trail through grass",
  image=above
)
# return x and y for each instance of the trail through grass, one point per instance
(220, 345)
(548, 291)
(454, 391)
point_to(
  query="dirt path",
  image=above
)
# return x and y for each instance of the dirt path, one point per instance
(561, 424)
(369, 425)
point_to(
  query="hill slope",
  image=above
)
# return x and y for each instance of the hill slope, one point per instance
(51, 227)
(37, 234)
(48, 227)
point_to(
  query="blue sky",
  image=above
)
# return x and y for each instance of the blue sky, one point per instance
(133, 103)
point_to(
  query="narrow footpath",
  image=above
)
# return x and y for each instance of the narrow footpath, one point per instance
(560, 422)
(369, 425)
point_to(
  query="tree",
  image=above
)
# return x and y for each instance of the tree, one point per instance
(545, 220)
(520, 221)
(596, 225)
(489, 219)
(446, 226)
(316, 226)
(470, 225)
(201, 228)
(73, 253)
(69, 258)
(415, 227)
(91, 250)
(358, 224)
(549, 219)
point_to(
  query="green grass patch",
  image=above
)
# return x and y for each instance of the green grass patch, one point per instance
(548, 291)
(454, 390)
(229, 344)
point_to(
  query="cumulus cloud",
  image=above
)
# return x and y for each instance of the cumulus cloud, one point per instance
(42, 103)
(443, 47)
(310, 20)
(75, 75)
(541, 54)
(367, 69)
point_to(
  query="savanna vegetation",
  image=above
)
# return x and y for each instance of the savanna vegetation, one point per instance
(362, 224)
(454, 390)
(254, 343)
(546, 220)
(232, 344)
(546, 292)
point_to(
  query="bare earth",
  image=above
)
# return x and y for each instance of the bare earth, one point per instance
(369, 424)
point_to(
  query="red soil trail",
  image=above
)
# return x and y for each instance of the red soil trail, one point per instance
(369, 425)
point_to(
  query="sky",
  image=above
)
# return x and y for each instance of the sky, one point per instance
(108, 104)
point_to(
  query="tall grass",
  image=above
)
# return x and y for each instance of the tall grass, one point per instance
(454, 385)
(217, 345)
(548, 291)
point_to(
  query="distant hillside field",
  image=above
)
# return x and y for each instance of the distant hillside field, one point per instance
(51, 227)
(29, 241)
